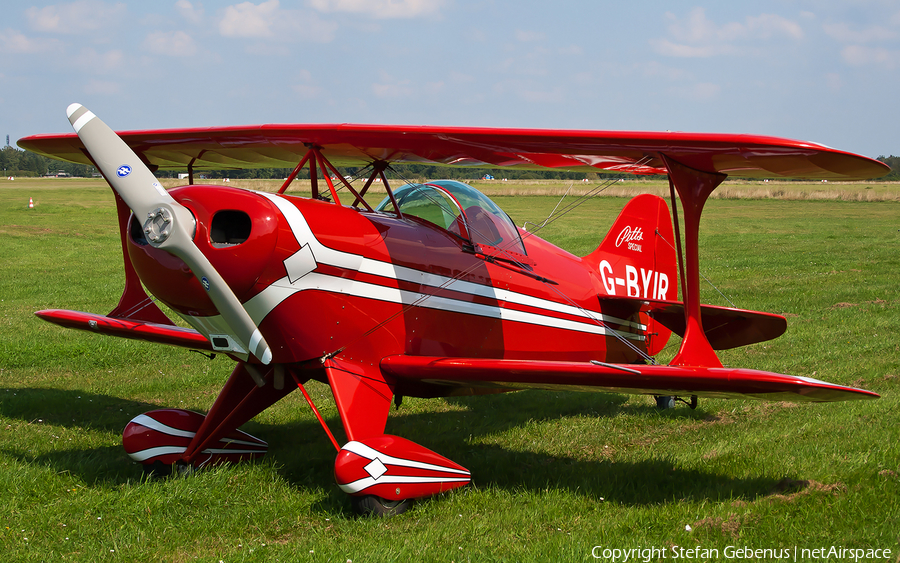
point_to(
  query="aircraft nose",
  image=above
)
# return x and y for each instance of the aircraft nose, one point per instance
(236, 230)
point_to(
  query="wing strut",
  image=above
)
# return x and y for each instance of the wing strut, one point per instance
(294, 173)
(317, 160)
(316, 412)
(694, 187)
(378, 168)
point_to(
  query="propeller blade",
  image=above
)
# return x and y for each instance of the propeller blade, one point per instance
(169, 225)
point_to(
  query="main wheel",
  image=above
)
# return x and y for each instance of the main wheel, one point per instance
(370, 505)
(157, 470)
(665, 402)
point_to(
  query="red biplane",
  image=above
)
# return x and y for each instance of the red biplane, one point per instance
(432, 292)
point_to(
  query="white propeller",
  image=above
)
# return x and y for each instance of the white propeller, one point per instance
(168, 225)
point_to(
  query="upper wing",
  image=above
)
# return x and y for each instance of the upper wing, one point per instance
(281, 146)
(639, 379)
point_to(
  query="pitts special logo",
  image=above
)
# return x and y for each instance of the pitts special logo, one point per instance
(629, 235)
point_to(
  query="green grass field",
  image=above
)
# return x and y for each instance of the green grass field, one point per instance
(555, 474)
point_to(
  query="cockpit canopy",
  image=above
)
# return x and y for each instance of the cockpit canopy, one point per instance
(460, 209)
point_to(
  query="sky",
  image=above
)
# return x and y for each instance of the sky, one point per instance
(825, 71)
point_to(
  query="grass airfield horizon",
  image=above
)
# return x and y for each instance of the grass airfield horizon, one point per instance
(554, 473)
(868, 190)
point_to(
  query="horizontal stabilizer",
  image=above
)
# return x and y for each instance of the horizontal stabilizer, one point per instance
(630, 378)
(127, 328)
(725, 327)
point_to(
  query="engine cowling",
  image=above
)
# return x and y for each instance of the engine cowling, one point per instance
(237, 230)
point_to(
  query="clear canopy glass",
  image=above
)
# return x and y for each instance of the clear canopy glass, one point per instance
(460, 209)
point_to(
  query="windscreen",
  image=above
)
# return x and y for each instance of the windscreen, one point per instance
(442, 202)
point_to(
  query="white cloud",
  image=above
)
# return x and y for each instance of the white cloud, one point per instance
(766, 26)
(268, 21)
(868, 45)
(672, 49)
(249, 20)
(305, 87)
(695, 28)
(75, 17)
(12, 41)
(843, 33)
(170, 43)
(306, 91)
(859, 55)
(697, 36)
(381, 9)
(189, 12)
(100, 63)
(393, 89)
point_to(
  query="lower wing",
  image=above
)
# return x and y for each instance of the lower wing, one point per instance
(631, 378)
(137, 329)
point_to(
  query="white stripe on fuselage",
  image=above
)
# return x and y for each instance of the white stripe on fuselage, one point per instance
(260, 305)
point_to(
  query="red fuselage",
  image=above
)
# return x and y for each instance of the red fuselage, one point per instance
(319, 277)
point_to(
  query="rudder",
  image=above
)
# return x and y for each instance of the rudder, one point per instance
(637, 258)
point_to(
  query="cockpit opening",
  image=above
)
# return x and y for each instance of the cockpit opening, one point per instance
(460, 209)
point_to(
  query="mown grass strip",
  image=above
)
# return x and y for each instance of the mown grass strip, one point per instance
(555, 473)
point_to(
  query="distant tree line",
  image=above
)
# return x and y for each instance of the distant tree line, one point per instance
(17, 162)
(894, 163)
(412, 172)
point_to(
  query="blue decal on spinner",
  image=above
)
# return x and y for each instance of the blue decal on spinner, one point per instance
(123, 171)
(205, 283)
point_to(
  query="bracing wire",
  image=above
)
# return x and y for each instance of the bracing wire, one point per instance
(509, 257)
(709, 281)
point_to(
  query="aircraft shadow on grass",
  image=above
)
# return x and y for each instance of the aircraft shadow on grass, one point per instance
(303, 456)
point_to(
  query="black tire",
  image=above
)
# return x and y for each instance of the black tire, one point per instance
(664, 402)
(157, 470)
(182, 469)
(370, 505)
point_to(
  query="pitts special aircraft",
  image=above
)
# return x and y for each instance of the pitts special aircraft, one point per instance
(433, 292)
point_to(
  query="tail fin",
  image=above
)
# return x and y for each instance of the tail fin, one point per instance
(638, 257)
(637, 260)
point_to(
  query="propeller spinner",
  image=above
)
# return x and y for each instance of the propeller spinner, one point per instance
(168, 225)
